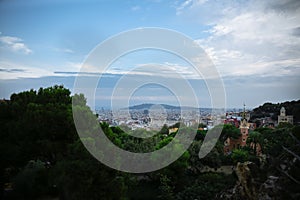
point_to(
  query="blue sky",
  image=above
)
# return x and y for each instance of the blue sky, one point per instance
(255, 45)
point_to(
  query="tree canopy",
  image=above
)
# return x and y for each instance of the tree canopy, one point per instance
(42, 156)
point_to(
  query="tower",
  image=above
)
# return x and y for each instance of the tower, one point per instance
(283, 118)
(282, 111)
(244, 128)
(231, 143)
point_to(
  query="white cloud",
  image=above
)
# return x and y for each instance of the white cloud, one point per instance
(167, 70)
(15, 44)
(9, 70)
(182, 6)
(12, 70)
(188, 4)
(252, 38)
(63, 50)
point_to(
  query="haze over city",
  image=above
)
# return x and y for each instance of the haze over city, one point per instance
(253, 44)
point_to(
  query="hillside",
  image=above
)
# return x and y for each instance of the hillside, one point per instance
(147, 106)
(272, 110)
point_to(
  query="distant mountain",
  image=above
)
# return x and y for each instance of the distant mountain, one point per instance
(147, 106)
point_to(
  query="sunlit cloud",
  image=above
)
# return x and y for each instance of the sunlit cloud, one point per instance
(255, 39)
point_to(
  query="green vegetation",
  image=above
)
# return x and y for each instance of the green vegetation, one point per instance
(272, 110)
(42, 156)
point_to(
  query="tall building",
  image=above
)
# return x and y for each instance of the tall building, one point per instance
(282, 117)
(231, 143)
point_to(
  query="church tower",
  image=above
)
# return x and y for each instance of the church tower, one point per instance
(244, 128)
(283, 118)
(282, 111)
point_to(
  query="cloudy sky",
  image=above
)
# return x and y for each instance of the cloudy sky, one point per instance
(255, 46)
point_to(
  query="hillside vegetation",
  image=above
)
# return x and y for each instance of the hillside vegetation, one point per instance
(42, 157)
(272, 110)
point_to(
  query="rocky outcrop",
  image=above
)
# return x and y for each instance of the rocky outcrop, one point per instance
(245, 187)
(269, 189)
(252, 184)
(246, 173)
(250, 187)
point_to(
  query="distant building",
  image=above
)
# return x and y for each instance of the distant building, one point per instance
(233, 121)
(266, 122)
(284, 118)
(252, 126)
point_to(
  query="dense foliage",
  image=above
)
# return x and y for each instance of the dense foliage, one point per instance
(272, 110)
(42, 156)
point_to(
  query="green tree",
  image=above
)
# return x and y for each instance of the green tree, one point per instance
(206, 186)
(164, 130)
(227, 131)
(42, 155)
(239, 155)
(255, 139)
(31, 182)
(166, 188)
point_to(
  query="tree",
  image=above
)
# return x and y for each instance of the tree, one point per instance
(32, 181)
(166, 188)
(195, 162)
(227, 131)
(206, 186)
(255, 139)
(239, 155)
(43, 154)
(164, 130)
(79, 100)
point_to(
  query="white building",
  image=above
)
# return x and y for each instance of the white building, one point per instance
(284, 118)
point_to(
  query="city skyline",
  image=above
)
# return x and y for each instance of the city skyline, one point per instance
(254, 46)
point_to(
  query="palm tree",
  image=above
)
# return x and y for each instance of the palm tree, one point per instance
(255, 139)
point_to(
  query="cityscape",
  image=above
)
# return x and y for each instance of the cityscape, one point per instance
(156, 116)
(146, 100)
(254, 146)
(151, 116)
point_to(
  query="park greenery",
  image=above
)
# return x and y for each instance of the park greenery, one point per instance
(272, 110)
(42, 156)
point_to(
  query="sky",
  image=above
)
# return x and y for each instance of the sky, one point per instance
(254, 45)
